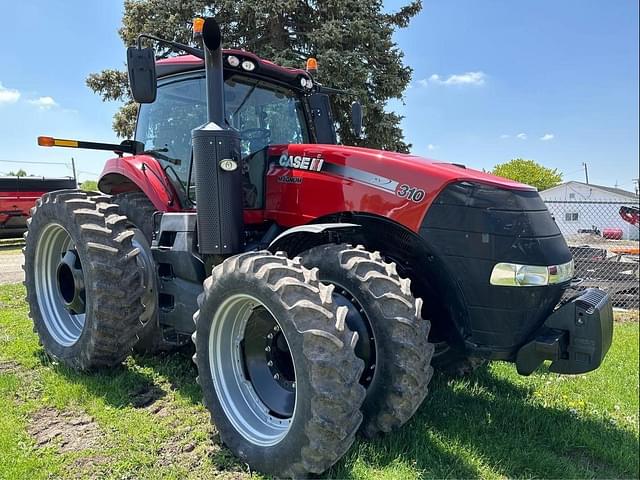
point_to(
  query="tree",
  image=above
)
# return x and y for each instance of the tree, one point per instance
(529, 172)
(19, 173)
(89, 186)
(352, 41)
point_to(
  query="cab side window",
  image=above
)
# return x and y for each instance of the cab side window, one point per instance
(165, 125)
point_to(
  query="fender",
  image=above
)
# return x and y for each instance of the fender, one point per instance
(140, 172)
(318, 230)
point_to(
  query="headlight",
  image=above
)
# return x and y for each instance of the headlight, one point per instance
(233, 60)
(248, 65)
(515, 275)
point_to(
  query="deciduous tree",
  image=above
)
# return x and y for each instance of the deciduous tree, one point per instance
(19, 173)
(529, 172)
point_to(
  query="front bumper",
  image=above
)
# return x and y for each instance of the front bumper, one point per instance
(576, 337)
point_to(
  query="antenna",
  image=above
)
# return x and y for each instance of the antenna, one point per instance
(73, 166)
(586, 172)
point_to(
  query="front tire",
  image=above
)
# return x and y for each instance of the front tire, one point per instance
(277, 366)
(83, 284)
(393, 336)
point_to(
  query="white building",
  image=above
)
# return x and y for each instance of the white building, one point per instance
(580, 206)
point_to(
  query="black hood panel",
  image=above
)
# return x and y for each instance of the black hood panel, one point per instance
(471, 227)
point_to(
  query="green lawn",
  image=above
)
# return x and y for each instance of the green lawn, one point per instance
(145, 420)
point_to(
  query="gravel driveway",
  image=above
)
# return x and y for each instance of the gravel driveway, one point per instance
(11, 266)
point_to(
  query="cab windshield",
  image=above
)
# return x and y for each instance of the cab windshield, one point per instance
(264, 113)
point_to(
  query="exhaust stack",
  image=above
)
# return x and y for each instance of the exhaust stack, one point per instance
(216, 157)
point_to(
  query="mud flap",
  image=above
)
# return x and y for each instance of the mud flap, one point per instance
(576, 337)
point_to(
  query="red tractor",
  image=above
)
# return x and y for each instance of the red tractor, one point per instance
(318, 282)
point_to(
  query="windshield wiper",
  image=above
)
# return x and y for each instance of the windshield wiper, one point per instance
(246, 97)
(156, 153)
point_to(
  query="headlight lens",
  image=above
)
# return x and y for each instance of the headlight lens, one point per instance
(248, 65)
(516, 275)
(233, 60)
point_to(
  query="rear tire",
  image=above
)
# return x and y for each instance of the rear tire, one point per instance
(83, 284)
(311, 353)
(398, 368)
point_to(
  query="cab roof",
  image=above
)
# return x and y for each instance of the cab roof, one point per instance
(185, 63)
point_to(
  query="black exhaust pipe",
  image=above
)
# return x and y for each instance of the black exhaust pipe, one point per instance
(216, 159)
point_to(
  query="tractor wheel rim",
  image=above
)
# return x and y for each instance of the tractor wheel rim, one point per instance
(358, 321)
(147, 267)
(59, 285)
(252, 371)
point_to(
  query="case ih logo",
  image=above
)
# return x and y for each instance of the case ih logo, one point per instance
(303, 163)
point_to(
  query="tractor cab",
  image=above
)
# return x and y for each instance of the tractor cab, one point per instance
(266, 106)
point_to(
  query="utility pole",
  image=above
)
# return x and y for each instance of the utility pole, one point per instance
(73, 167)
(586, 172)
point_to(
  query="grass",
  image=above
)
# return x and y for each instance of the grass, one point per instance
(151, 424)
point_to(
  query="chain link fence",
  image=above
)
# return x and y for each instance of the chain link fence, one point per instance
(603, 237)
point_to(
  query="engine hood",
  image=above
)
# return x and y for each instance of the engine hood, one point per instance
(328, 179)
(395, 166)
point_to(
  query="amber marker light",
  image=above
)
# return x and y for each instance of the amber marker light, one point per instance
(46, 141)
(198, 25)
(56, 142)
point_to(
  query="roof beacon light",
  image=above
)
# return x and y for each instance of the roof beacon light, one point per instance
(312, 65)
(198, 25)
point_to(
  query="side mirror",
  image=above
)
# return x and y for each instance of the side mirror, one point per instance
(141, 64)
(356, 118)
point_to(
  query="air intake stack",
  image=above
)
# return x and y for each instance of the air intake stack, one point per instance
(216, 157)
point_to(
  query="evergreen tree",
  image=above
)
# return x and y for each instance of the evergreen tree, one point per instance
(352, 41)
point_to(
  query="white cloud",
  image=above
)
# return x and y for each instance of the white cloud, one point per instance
(467, 78)
(44, 103)
(504, 136)
(522, 136)
(8, 95)
(547, 136)
(432, 147)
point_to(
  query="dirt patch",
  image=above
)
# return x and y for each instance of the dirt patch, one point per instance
(9, 366)
(69, 431)
(30, 384)
(160, 408)
(626, 316)
(87, 467)
(145, 395)
(178, 451)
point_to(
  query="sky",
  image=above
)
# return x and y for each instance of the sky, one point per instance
(555, 81)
